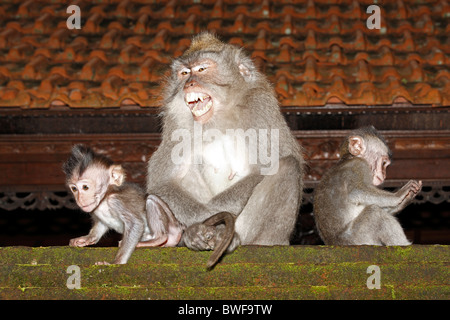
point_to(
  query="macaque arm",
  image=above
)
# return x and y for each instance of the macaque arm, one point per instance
(164, 182)
(180, 201)
(95, 234)
(365, 193)
(407, 193)
(235, 197)
(360, 188)
(370, 195)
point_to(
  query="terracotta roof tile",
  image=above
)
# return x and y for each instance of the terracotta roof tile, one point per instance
(315, 52)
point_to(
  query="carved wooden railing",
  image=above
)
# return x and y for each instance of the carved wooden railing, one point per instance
(35, 143)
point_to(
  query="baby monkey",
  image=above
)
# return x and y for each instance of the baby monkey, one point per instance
(349, 209)
(99, 186)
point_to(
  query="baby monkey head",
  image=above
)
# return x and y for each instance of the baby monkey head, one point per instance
(88, 176)
(368, 144)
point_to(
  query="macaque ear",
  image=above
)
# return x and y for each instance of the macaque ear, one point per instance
(117, 174)
(244, 71)
(246, 67)
(356, 145)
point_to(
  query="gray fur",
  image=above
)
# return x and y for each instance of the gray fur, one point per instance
(118, 205)
(350, 210)
(266, 206)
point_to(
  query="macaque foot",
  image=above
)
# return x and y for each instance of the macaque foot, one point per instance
(200, 237)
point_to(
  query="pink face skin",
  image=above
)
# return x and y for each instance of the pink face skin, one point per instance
(90, 188)
(379, 169)
(197, 98)
(377, 155)
(375, 152)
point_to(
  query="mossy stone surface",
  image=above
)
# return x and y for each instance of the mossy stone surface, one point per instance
(251, 272)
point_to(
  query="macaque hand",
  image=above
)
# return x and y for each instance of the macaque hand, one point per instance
(409, 191)
(82, 241)
(201, 237)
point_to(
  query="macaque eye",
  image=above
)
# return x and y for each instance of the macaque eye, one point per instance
(85, 187)
(200, 68)
(185, 71)
(74, 189)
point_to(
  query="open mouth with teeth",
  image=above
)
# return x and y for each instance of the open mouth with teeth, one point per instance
(200, 104)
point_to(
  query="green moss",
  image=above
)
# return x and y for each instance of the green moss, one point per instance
(403, 252)
(392, 290)
(251, 272)
(320, 291)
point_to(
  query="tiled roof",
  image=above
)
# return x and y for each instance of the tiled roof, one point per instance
(314, 52)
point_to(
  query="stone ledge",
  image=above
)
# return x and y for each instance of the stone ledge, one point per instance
(251, 272)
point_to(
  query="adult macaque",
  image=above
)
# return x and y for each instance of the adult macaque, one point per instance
(349, 208)
(98, 187)
(225, 147)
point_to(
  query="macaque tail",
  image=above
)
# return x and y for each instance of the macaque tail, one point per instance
(228, 219)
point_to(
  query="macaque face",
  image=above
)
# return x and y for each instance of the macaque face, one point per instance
(379, 169)
(375, 152)
(378, 157)
(197, 97)
(90, 188)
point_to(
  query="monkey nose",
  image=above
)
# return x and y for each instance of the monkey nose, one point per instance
(190, 83)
